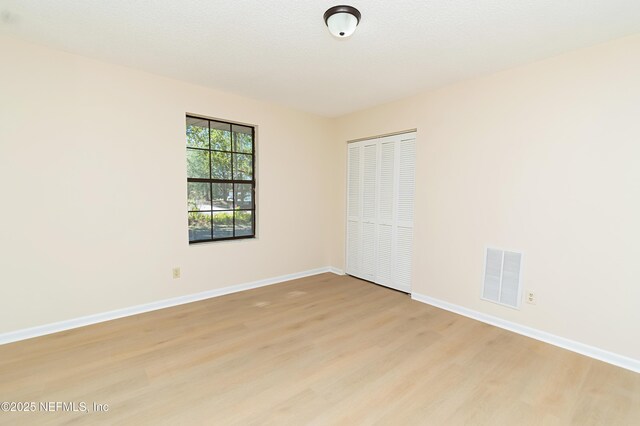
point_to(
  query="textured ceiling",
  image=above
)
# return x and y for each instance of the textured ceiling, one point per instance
(281, 51)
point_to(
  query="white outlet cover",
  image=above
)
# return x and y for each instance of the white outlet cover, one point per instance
(531, 297)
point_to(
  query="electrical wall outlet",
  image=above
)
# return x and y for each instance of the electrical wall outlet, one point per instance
(176, 273)
(531, 297)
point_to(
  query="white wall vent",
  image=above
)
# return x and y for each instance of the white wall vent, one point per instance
(502, 277)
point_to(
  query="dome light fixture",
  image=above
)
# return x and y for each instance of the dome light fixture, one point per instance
(342, 20)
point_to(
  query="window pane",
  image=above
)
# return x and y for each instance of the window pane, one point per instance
(197, 133)
(244, 223)
(244, 196)
(222, 196)
(222, 224)
(197, 163)
(199, 197)
(220, 151)
(242, 167)
(220, 136)
(220, 165)
(242, 139)
(199, 226)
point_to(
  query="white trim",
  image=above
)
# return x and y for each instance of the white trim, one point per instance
(41, 330)
(336, 271)
(581, 348)
(402, 132)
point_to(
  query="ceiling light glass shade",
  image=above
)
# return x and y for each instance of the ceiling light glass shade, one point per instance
(342, 20)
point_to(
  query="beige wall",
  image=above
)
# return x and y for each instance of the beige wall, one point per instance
(544, 158)
(93, 184)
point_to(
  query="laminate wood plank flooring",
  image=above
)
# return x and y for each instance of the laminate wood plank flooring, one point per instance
(322, 350)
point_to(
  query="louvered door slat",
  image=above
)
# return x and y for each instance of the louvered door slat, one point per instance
(369, 251)
(384, 274)
(404, 245)
(353, 193)
(386, 187)
(369, 183)
(354, 243)
(406, 180)
(354, 216)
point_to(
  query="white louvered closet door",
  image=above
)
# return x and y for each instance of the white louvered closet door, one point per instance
(381, 186)
(369, 210)
(386, 191)
(354, 210)
(406, 161)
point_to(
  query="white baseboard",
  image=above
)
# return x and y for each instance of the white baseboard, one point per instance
(581, 348)
(336, 270)
(41, 330)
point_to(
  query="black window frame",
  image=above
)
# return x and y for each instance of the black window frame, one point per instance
(233, 152)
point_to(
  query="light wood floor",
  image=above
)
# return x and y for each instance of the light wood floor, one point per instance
(322, 350)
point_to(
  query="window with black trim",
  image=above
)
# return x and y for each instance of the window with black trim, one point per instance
(220, 180)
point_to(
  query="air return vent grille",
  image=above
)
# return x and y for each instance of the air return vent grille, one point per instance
(502, 276)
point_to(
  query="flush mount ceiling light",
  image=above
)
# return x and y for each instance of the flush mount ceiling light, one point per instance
(342, 20)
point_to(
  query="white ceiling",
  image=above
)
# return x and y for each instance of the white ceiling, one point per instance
(281, 50)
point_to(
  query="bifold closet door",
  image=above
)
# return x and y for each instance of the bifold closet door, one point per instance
(361, 215)
(354, 209)
(386, 207)
(403, 221)
(380, 210)
(369, 210)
